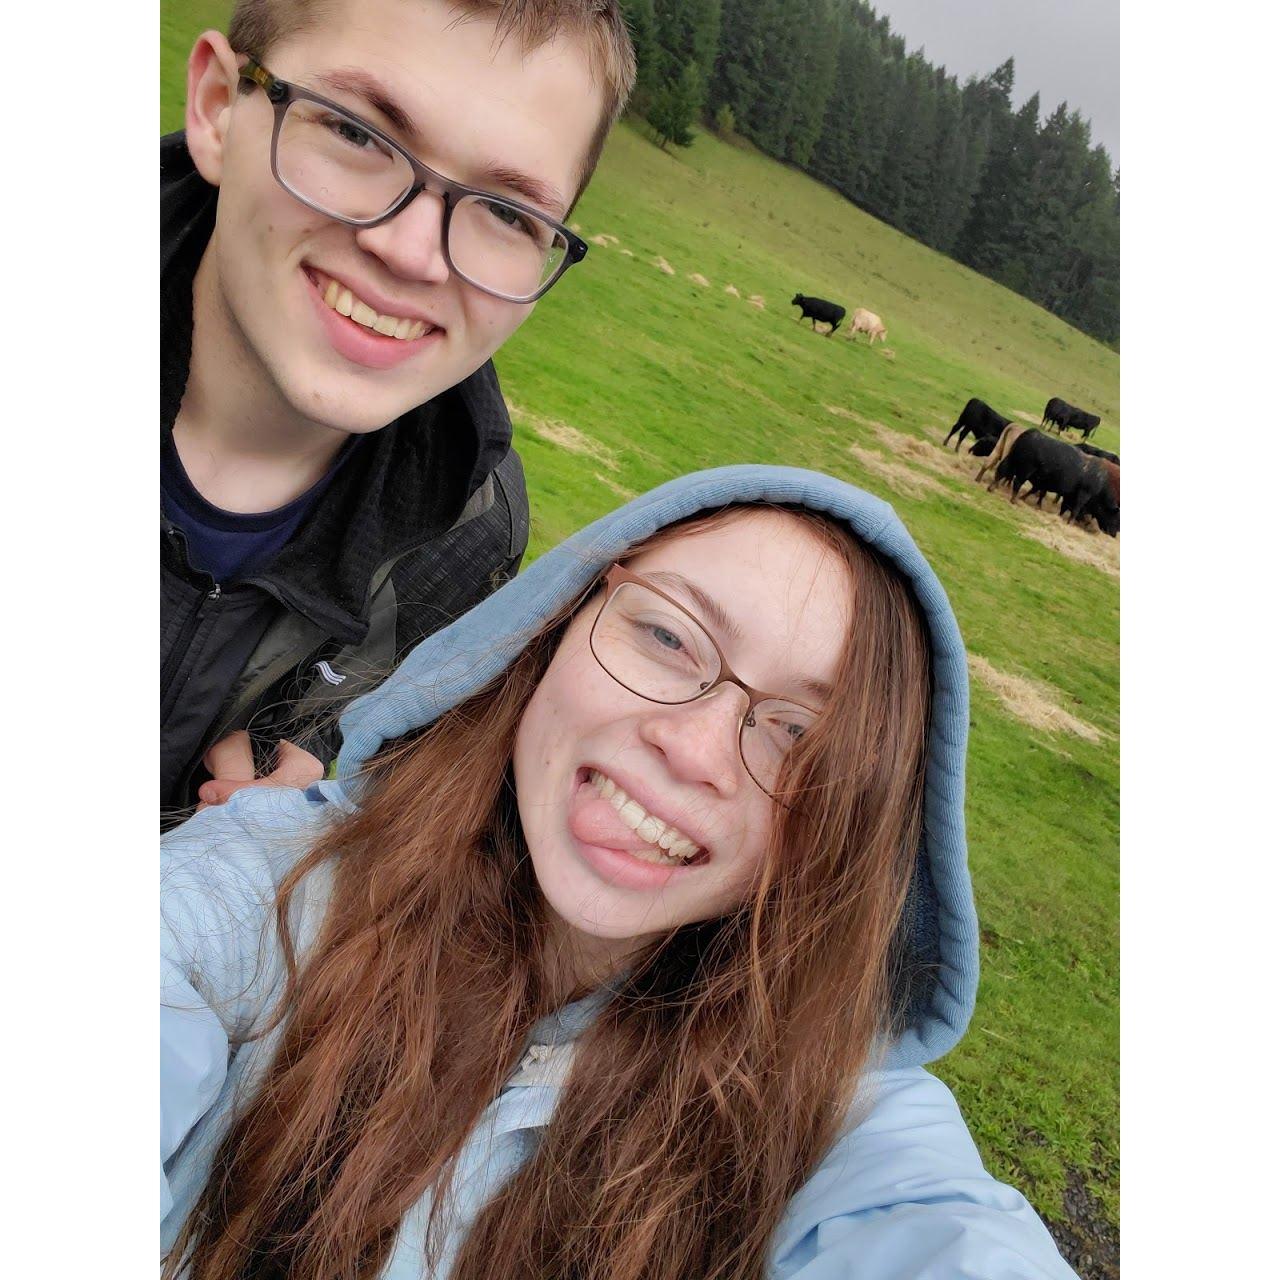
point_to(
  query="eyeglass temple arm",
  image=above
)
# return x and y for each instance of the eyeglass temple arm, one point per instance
(253, 70)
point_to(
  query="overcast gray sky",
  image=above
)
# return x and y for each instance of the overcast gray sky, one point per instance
(1067, 49)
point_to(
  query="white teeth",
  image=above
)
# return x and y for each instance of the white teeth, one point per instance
(345, 303)
(669, 845)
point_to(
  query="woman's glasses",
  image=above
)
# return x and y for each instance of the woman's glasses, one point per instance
(348, 169)
(655, 648)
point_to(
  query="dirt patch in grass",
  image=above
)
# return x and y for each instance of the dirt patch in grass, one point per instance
(1031, 702)
(842, 412)
(731, 290)
(902, 479)
(626, 253)
(604, 240)
(565, 437)
(756, 300)
(698, 278)
(1095, 549)
(1033, 418)
(664, 266)
(1087, 1240)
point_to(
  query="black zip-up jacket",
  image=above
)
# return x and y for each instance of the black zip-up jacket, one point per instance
(423, 521)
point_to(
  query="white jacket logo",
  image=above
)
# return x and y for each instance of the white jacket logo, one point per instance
(329, 674)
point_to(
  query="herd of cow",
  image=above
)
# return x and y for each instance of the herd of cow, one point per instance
(1085, 479)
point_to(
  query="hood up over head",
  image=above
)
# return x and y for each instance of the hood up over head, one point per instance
(940, 923)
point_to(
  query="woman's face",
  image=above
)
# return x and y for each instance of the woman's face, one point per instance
(785, 603)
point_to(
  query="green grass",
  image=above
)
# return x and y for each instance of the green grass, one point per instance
(664, 376)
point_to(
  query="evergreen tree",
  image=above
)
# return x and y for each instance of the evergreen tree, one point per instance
(675, 107)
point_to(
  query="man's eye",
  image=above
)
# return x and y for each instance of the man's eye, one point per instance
(351, 133)
(510, 217)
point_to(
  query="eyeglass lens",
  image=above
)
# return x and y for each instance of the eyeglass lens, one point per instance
(333, 163)
(662, 653)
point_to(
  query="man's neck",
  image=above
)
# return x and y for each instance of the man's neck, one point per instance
(244, 448)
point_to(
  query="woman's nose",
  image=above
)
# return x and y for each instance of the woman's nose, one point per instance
(411, 243)
(700, 738)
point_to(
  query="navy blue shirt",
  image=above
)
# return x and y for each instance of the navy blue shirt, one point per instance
(229, 544)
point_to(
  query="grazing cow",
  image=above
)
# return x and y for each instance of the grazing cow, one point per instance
(1096, 494)
(999, 452)
(867, 322)
(815, 309)
(1060, 415)
(981, 421)
(1095, 452)
(1051, 466)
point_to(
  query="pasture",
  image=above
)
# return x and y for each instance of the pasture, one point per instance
(641, 366)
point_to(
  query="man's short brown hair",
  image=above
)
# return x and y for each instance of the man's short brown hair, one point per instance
(258, 25)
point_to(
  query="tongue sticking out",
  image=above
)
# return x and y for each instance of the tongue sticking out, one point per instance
(593, 820)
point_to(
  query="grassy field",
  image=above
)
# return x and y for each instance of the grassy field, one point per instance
(627, 375)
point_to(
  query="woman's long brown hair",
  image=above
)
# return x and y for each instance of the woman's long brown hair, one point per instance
(713, 1081)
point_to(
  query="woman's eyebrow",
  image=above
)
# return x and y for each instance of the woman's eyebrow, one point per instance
(710, 607)
(363, 85)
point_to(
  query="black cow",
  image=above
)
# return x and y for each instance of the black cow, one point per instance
(1096, 494)
(1060, 415)
(981, 421)
(1095, 452)
(1051, 466)
(816, 309)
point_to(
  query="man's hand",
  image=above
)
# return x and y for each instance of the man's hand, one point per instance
(231, 764)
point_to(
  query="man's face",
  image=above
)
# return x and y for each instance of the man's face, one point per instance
(481, 112)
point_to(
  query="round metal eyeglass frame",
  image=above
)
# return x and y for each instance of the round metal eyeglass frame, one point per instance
(618, 576)
(281, 93)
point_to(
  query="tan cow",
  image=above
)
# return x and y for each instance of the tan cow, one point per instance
(867, 322)
(1000, 452)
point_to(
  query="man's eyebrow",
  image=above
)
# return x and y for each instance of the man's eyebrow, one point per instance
(377, 95)
(372, 90)
(534, 190)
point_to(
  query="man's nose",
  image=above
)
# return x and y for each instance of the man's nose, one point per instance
(700, 738)
(411, 243)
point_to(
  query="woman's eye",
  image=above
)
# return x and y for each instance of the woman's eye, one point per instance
(668, 639)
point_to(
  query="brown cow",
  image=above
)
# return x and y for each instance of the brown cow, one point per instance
(1000, 452)
(867, 322)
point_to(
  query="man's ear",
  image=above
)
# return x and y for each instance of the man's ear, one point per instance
(213, 80)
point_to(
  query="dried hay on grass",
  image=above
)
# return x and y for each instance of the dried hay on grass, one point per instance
(1094, 549)
(924, 453)
(844, 413)
(1031, 702)
(888, 353)
(626, 253)
(904, 480)
(603, 240)
(614, 487)
(575, 227)
(563, 436)
(756, 300)
(731, 290)
(1034, 418)
(664, 266)
(698, 278)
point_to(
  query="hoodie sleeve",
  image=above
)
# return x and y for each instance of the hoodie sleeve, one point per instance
(219, 956)
(904, 1196)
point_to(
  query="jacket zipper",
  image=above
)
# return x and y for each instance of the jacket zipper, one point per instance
(190, 624)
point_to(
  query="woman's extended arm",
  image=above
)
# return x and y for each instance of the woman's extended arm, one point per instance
(904, 1196)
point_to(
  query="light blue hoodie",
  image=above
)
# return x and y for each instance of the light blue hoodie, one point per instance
(902, 1195)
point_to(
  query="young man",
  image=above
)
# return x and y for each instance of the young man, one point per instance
(368, 198)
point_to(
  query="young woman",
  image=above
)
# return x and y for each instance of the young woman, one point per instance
(616, 946)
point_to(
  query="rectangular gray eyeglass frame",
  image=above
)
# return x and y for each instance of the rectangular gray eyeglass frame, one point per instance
(281, 93)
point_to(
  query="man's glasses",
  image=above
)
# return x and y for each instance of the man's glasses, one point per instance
(348, 169)
(655, 648)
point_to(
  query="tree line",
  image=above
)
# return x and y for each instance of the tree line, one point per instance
(826, 85)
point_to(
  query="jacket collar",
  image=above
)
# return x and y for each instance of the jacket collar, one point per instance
(407, 483)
